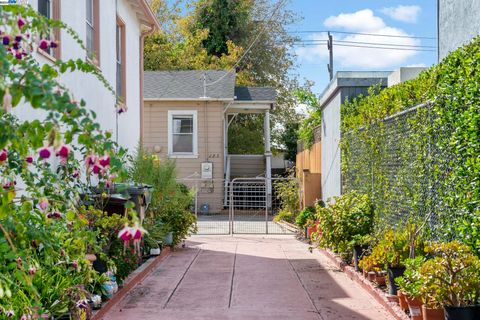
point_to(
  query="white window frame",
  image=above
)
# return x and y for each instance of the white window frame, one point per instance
(171, 114)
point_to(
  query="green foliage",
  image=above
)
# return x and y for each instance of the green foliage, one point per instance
(171, 201)
(284, 215)
(288, 193)
(314, 118)
(305, 216)
(411, 282)
(343, 219)
(289, 139)
(435, 182)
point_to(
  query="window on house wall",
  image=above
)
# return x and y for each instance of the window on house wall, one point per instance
(121, 61)
(182, 133)
(51, 10)
(93, 31)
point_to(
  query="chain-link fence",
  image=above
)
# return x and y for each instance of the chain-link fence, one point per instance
(403, 164)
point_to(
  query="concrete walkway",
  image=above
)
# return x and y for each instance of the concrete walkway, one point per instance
(247, 277)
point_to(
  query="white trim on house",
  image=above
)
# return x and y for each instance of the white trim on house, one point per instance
(194, 114)
(185, 99)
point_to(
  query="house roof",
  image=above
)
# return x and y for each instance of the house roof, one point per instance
(265, 94)
(189, 85)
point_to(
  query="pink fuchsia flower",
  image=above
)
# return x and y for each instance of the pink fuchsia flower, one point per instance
(108, 184)
(18, 38)
(76, 174)
(3, 155)
(44, 44)
(19, 262)
(63, 151)
(62, 252)
(121, 109)
(104, 161)
(9, 184)
(9, 313)
(7, 101)
(21, 22)
(125, 234)
(75, 264)
(29, 159)
(32, 270)
(43, 204)
(82, 304)
(18, 55)
(44, 153)
(90, 160)
(53, 44)
(97, 168)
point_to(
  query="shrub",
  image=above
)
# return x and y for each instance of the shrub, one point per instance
(343, 219)
(284, 215)
(306, 215)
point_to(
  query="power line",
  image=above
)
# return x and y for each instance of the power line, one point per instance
(367, 43)
(368, 47)
(365, 34)
(249, 48)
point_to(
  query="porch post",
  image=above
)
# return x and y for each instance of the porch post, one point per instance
(268, 158)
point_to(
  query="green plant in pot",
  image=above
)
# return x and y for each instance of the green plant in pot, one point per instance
(410, 284)
(305, 217)
(453, 280)
(360, 245)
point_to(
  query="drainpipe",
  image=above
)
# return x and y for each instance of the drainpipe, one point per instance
(143, 35)
(268, 158)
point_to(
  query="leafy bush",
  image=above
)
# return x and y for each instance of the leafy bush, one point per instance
(288, 192)
(171, 201)
(343, 219)
(284, 215)
(306, 215)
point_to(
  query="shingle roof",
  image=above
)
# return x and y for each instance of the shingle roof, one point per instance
(255, 94)
(188, 84)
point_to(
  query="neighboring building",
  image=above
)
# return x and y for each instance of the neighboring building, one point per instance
(458, 23)
(187, 114)
(343, 86)
(112, 30)
(404, 74)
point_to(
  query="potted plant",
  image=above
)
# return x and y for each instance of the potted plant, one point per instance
(410, 286)
(360, 244)
(452, 280)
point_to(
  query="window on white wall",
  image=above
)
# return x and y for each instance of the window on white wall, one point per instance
(92, 40)
(182, 133)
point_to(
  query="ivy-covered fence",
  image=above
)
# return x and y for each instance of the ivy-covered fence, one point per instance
(415, 149)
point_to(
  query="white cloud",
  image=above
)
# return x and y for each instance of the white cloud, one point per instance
(363, 21)
(407, 14)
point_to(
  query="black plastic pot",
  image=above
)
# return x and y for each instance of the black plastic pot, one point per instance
(358, 252)
(393, 273)
(99, 265)
(462, 313)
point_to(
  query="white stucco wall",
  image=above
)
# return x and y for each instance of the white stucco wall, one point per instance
(331, 170)
(87, 87)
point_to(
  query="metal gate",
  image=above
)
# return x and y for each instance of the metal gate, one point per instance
(241, 206)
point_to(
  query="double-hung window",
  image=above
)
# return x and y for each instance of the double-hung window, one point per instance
(50, 9)
(182, 133)
(92, 40)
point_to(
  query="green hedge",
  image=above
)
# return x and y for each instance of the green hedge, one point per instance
(423, 165)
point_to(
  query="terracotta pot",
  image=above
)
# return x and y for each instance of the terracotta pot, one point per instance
(433, 314)
(415, 307)
(371, 275)
(380, 280)
(90, 257)
(402, 300)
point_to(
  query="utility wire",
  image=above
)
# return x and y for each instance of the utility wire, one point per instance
(362, 42)
(365, 34)
(249, 48)
(368, 47)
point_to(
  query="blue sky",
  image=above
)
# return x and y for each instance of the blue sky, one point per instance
(397, 17)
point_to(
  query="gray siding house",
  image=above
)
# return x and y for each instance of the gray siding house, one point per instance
(458, 23)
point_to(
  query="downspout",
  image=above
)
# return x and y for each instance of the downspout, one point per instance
(143, 35)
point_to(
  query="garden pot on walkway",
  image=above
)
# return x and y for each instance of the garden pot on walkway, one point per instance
(462, 313)
(415, 307)
(433, 314)
(392, 274)
(402, 300)
(358, 252)
(380, 278)
(371, 275)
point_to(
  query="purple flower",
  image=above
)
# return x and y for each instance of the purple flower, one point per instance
(44, 152)
(29, 159)
(53, 44)
(43, 205)
(44, 44)
(9, 313)
(76, 174)
(9, 184)
(63, 151)
(97, 168)
(21, 22)
(3, 155)
(82, 304)
(54, 215)
(16, 45)
(32, 271)
(6, 40)
(18, 55)
(74, 264)
(18, 38)
(90, 160)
